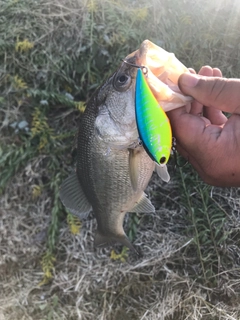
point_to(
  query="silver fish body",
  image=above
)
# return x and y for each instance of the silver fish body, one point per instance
(112, 168)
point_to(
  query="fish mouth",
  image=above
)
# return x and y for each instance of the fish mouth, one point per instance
(163, 72)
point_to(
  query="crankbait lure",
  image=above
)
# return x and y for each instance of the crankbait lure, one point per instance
(152, 122)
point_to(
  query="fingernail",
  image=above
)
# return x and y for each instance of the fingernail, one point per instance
(188, 80)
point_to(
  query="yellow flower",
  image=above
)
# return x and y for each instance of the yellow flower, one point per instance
(74, 223)
(121, 256)
(81, 106)
(47, 264)
(141, 13)
(92, 6)
(36, 191)
(41, 129)
(43, 142)
(67, 88)
(23, 46)
(18, 83)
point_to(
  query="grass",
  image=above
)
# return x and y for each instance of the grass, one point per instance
(52, 57)
(206, 224)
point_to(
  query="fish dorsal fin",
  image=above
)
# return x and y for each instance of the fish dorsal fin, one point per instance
(73, 198)
(143, 205)
(162, 172)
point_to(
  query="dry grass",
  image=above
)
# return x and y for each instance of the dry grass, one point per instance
(88, 285)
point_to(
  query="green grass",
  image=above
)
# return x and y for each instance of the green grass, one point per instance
(206, 225)
(52, 57)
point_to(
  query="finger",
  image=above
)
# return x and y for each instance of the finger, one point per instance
(206, 71)
(203, 145)
(189, 105)
(192, 70)
(197, 107)
(220, 93)
(217, 72)
(183, 122)
(214, 115)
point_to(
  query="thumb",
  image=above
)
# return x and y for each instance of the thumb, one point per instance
(216, 92)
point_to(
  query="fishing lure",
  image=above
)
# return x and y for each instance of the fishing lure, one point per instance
(152, 122)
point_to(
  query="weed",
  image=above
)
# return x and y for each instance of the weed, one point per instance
(207, 223)
(132, 226)
(12, 158)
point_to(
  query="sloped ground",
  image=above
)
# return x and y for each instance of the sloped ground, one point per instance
(163, 283)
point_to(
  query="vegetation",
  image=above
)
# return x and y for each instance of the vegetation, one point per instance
(53, 54)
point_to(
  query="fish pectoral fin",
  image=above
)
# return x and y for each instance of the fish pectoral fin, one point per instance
(102, 240)
(73, 198)
(162, 172)
(134, 167)
(143, 205)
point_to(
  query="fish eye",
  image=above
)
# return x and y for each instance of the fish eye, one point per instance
(122, 79)
(162, 160)
(122, 82)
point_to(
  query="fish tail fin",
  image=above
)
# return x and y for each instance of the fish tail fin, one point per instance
(103, 240)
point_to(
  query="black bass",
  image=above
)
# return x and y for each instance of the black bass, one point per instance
(112, 168)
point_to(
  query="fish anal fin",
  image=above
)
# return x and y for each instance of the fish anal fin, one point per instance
(143, 205)
(162, 172)
(73, 197)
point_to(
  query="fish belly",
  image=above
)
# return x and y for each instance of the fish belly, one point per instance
(105, 179)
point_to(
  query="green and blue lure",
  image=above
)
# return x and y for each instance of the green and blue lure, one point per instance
(152, 122)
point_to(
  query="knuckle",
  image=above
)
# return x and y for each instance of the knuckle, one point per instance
(217, 90)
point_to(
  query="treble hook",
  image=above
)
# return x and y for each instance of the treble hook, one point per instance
(174, 151)
(143, 68)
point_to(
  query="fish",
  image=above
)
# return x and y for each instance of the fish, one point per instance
(112, 168)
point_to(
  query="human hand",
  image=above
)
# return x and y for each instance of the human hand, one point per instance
(205, 137)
